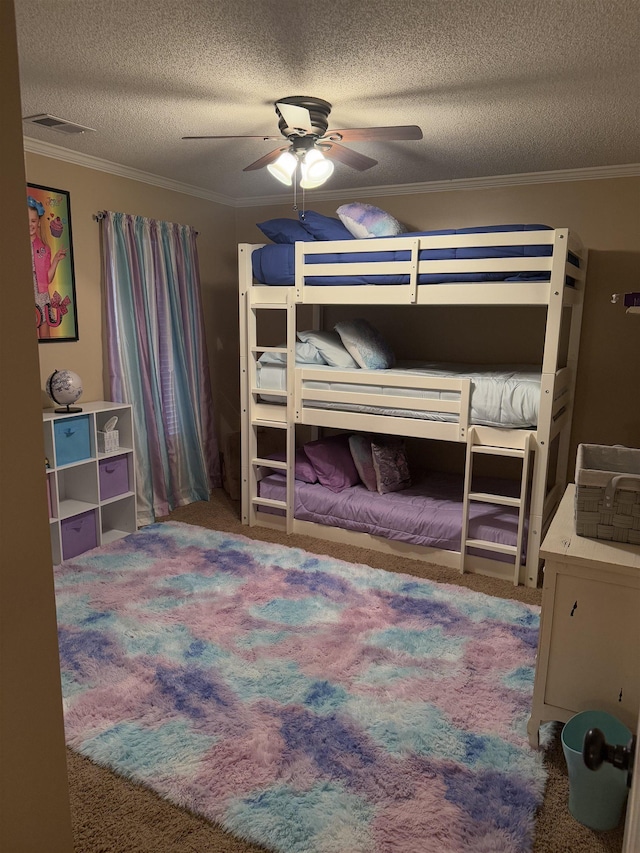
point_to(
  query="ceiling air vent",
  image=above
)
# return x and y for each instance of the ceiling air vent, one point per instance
(54, 123)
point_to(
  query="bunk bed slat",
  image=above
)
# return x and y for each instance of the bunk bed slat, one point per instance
(273, 392)
(497, 451)
(269, 463)
(490, 498)
(497, 547)
(258, 501)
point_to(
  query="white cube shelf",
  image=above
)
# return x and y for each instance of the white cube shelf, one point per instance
(74, 487)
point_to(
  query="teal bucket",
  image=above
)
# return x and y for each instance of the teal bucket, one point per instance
(596, 797)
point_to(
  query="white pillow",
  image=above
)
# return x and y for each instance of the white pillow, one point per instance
(330, 347)
(365, 220)
(366, 344)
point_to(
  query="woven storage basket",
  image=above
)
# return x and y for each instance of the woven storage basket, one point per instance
(608, 493)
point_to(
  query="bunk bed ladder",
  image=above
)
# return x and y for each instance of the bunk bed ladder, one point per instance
(514, 551)
(255, 420)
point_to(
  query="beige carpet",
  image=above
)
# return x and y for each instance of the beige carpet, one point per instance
(112, 815)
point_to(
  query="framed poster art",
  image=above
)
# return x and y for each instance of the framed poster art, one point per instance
(54, 288)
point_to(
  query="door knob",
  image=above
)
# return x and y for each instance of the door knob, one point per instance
(596, 750)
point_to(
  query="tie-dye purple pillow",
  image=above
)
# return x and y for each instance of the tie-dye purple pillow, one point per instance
(390, 464)
(366, 220)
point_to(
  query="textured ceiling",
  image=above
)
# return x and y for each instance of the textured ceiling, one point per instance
(499, 87)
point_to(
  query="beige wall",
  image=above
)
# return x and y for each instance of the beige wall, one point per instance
(34, 803)
(606, 215)
(90, 191)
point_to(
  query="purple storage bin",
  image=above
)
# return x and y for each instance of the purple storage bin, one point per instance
(114, 477)
(79, 534)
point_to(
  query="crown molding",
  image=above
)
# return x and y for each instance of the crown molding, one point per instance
(491, 182)
(58, 152)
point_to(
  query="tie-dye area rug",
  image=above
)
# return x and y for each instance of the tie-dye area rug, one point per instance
(303, 703)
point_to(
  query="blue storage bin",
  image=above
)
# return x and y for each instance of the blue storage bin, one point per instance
(72, 441)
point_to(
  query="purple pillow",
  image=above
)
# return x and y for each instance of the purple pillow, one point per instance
(304, 470)
(333, 462)
(390, 464)
(360, 447)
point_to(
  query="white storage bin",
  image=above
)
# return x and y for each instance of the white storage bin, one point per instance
(608, 493)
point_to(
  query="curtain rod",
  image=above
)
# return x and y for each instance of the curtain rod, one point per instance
(102, 213)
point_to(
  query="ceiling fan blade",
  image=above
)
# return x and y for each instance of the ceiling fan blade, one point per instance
(295, 117)
(349, 158)
(231, 137)
(364, 134)
(265, 160)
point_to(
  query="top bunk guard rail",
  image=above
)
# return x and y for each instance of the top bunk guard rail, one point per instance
(566, 261)
(407, 293)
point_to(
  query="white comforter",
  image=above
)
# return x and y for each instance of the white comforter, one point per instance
(501, 396)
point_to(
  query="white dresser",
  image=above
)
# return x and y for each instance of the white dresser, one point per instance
(589, 645)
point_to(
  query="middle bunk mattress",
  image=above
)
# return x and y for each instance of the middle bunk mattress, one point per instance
(506, 396)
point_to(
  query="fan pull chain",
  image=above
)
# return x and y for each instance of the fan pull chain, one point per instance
(295, 195)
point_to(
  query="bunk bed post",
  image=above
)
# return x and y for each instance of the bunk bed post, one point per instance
(244, 263)
(290, 453)
(573, 348)
(547, 386)
(524, 484)
(540, 513)
(317, 315)
(251, 422)
(252, 432)
(466, 491)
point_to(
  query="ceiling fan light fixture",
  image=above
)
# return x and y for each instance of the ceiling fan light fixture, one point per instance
(284, 168)
(315, 169)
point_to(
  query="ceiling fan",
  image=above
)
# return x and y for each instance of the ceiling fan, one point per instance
(303, 121)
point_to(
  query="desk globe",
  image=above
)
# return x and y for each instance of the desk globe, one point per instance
(65, 387)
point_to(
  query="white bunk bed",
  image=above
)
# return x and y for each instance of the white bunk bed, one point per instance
(540, 487)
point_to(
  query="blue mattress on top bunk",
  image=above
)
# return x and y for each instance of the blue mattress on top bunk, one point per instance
(275, 263)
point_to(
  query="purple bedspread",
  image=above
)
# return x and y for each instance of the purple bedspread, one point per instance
(429, 513)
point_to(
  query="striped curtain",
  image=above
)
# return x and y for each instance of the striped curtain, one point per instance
(157, 358)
